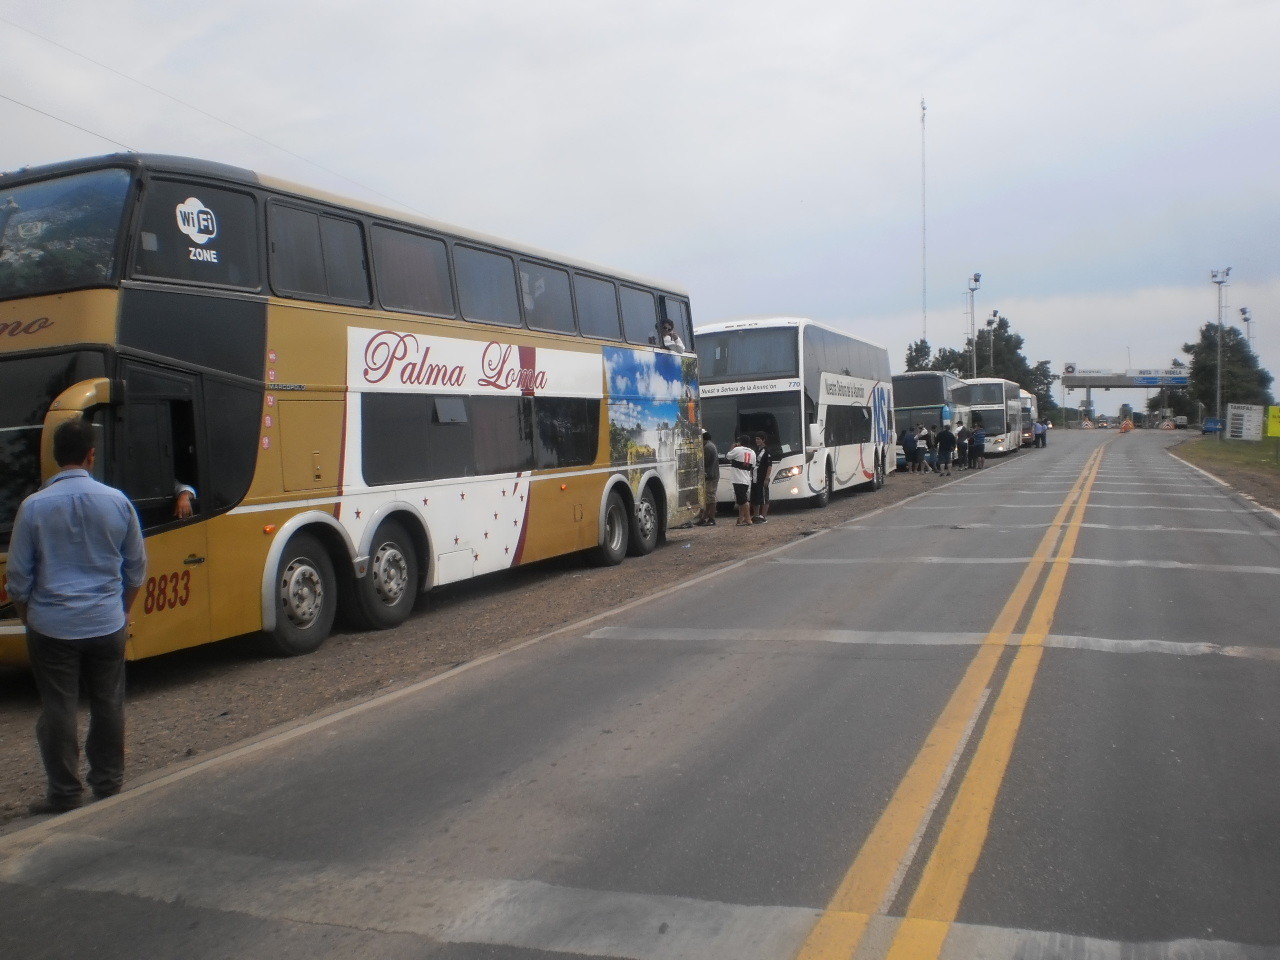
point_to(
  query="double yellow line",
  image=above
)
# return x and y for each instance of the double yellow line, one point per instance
(872, 881)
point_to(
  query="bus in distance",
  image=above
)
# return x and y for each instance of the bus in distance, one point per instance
(822, 398)
(367, 404)
(994, 403)
(929, 398)
(1028, 404)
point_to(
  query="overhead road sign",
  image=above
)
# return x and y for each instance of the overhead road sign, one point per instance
(1074, 375)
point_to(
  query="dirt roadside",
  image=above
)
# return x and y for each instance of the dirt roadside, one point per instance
(191, 703)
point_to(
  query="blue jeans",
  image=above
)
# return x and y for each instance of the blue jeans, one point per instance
(59, 667)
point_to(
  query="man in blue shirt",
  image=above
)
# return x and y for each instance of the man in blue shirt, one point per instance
(76, 563)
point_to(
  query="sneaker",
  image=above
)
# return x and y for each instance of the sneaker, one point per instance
(759, 520)
(711, 523)
(701, 523)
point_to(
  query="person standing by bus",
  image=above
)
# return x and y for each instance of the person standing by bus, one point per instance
(908, 442)
(76, 563)
(760, 481)
(978, 446)
(946, 448)
(710, 480)
(741, 460)
(962, 446)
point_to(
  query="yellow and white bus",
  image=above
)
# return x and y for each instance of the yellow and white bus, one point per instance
(366, 404)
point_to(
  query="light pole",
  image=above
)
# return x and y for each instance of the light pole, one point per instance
(974, 282)
(1219, 277)
(991, 340)
(1247, 320)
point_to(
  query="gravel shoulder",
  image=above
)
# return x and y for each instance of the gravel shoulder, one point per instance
(192, 703)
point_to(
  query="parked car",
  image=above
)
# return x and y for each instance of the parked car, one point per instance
(1211, 425)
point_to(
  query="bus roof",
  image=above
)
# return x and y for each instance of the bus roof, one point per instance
(188, 166)
(766, 322)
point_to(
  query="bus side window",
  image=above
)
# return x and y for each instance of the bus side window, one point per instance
(156, 451)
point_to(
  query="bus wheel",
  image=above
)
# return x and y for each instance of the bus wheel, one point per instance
(645, 526)
(384, 596)
(306, 598)
(617, 526)
(823, 496)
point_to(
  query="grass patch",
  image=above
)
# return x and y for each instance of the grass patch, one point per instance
(1262, 455)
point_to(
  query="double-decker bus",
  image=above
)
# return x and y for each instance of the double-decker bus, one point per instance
(823, 399)
(1027, 403)
(996, 405)
(927, 397)
(366, 404)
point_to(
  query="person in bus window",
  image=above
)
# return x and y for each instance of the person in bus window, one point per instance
(670, 339)
(184, 500)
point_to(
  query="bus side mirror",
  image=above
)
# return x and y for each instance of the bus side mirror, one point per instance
(71, 404)
(815, 437)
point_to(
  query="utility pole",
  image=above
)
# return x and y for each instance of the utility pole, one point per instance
(1219, 277)
(924, 237)
(974, 282)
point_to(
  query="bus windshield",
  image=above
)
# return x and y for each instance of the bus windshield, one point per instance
(776, 415)
(980, 393)
(60, 234)
(919, 391)
(30, 385)
(767, 354)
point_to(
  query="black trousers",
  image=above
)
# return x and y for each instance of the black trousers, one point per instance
(59, 667)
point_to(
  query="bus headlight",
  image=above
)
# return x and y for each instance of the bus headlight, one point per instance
(787, 474)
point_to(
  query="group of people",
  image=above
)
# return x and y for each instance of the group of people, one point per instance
(750, 466)
(933, 450)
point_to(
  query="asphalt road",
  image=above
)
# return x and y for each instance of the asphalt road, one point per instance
(1030, 714)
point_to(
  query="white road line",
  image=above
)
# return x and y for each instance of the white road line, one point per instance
(1074, 561)
(525, 914)
(514, 913)
(906, 638)
(1098, 506)
(1126, 528)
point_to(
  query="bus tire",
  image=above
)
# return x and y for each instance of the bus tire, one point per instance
(306, 598)
(615, 533)
(646, 525)
(823, 496)
(385, 595)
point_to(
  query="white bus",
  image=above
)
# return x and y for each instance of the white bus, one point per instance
(995, 404)
(823, 399)
(1027, 401)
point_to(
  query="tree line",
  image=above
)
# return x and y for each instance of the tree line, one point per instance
(999, 355)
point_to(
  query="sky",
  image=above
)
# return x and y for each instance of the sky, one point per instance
(1092, 161)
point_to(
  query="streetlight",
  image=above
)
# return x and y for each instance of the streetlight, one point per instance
(991, 340)
(1219, 277)
(1247, 320)
(974, 282)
